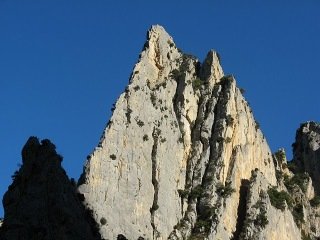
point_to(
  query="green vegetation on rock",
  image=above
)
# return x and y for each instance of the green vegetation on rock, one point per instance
(279, 199)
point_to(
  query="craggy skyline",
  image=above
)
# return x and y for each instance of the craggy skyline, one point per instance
(64, 63)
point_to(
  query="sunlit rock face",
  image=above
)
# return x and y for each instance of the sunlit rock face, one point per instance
(181, 143)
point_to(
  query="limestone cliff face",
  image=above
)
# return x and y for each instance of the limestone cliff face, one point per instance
(180, 146)
(42, 203)
(263, 220)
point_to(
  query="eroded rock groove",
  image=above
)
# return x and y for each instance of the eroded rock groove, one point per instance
(242, 208)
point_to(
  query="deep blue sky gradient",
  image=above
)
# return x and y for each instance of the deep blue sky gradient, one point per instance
(63, 64)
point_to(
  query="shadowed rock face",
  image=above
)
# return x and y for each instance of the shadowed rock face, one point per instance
(42, 203)
(306, 151)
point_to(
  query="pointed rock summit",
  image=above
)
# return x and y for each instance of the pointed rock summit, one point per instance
(177, 157)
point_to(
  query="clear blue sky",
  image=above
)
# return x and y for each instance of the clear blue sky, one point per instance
(63, 64)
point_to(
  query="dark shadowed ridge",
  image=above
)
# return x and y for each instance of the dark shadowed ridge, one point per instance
(42, 203)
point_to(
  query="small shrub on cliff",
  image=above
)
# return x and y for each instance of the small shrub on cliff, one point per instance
(279, 199)
(196, 192)
(163, 140)
(145, 137)
(279, 175)
(128, 115)
(183, 193)
(175, 74)
(136, 88)
(225, 79)
(280, 155)
(154, 208)
(140, 123)
(15, 175)
(103, 221)
(292, 166)
(242, 90)
(203, 225)
(299, 179)
(225, 190)
(261, 219)
(298, 215)
(315, 202)
(197, 83)
(257, 126)
(153, 99)
(229, 120)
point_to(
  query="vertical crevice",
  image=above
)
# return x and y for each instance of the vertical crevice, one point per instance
(242, 208)
(232, 161)
(178, 101)
(198, 181)
(214, 166)
(155, 183)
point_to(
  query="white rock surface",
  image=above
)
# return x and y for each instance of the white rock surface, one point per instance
(281, 224)
(180, 146)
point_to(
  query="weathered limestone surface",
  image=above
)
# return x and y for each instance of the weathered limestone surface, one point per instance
(179, 127)
(281, 224)
(42, 203)
(306, 160)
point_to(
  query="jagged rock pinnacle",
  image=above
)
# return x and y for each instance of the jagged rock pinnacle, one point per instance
(179, 127)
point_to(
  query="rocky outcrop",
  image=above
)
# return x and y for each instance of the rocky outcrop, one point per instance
(182, 157)
(304, 186)
(306, 152)
(295, 197)
(42, 203)
(180, 144)
(263, 220)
